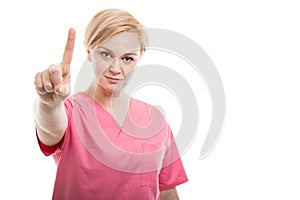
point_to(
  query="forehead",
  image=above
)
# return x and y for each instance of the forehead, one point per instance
(123, 42)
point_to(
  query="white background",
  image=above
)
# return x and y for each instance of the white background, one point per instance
(255, 46)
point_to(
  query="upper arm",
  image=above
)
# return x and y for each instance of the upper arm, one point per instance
(170, 194)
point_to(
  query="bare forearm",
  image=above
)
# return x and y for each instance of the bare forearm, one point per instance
(170, 194)
(50, 119)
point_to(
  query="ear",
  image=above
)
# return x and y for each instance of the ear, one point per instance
(89, 55)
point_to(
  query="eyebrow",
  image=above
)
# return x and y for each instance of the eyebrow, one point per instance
(111, 52)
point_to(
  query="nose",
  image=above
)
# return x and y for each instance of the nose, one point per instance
(115, 67)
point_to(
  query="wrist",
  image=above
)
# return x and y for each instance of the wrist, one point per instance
(50, 118)
(48, 105)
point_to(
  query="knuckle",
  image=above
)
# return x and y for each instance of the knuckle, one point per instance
(55, 70)
(38, 85)
(51, 67)
(37, 78)
(41, 91)
(37, 75)
(54, 67)
(45, 73)
(48, 87)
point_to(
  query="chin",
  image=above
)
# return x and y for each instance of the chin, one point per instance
(113, 91)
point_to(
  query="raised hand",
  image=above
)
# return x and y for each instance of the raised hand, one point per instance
(53, 85)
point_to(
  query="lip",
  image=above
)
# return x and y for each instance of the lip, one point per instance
(113, 79)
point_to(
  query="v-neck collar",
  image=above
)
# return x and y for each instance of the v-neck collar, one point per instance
(96, 104)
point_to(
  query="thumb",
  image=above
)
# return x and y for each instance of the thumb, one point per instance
(63, 89)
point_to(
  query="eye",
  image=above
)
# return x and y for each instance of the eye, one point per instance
(128, 59)
(105, 54)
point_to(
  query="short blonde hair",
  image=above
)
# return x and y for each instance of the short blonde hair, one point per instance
(110, 22)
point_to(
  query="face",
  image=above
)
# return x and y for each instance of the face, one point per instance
(113, 60)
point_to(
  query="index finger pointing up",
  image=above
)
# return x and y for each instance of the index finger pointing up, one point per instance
(68, 53)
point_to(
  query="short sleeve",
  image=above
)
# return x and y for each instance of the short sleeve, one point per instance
(50, 150)
(172, 173)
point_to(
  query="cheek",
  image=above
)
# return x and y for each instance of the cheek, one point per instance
(99, 69)
(129, 69)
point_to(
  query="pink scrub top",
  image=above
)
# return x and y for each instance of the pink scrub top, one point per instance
(99, 159)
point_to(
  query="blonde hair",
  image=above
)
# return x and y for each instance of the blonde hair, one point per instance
(110, 22)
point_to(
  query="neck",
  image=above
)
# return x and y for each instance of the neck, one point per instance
(108, 100)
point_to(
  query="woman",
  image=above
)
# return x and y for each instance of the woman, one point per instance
(106, 144)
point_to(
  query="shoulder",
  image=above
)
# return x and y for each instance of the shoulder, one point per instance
(139, 106)
(77, 101)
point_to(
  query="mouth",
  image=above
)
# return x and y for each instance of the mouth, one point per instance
(113, 80)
